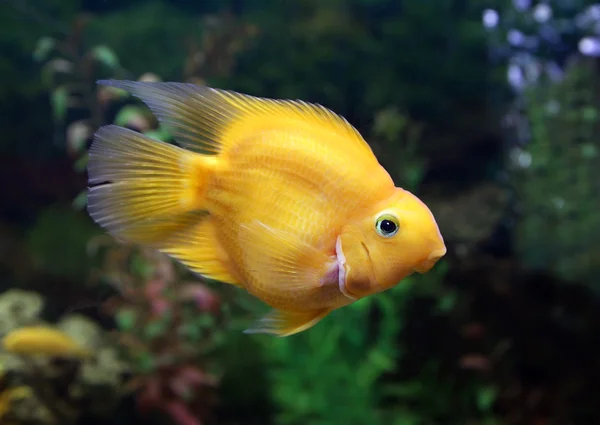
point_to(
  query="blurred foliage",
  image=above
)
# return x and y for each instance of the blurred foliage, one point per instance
(139, 31)
(70, 70)
(169, 331)
(24, 119)
(428, 59)
(57, 243)
(476, 341)
(71, 67)
(21, 24)
(347, 352)
(44, 379)
(205, 45)
(359, 366)
(557, 176)
(406, 104)
(393, 131)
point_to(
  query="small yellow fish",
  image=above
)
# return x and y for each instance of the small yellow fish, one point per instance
(42, 340)
(282, 198)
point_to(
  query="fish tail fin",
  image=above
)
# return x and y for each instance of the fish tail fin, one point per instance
(142, 190)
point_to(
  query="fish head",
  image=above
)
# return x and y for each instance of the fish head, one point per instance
(397, 237)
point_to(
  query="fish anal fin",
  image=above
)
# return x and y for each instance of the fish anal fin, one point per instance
(285, 323)
(280, 258)
(199, 249)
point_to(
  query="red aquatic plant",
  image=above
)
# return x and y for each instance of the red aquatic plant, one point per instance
(168, 331)
(183, 392)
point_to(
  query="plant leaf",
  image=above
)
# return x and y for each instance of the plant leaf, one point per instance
(106, 56)
(486, 398)
(59, 99)
(125, 319)
(80, 200)
(128, 114)
(81, 163)
(43, 47)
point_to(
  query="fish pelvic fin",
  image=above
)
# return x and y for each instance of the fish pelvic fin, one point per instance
(209, 120)
(285, 323)
(199, 249)
(142, 190)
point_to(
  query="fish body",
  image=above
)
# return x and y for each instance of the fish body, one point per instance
(42, 340)
(291, 183)
(282, 198)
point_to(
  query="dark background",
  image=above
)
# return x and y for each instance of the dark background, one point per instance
(488, 110)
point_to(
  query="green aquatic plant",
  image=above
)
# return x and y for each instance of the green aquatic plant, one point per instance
(557, 178)
(332, 373)
(57, 242)
(69, 70)
(351, 368)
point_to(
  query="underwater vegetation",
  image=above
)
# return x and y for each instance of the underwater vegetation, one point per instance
(168, 367)
(550, 49)
(488, 111)
(556, 176)
(54, 373)
(70, 67)
(168, 347)
(167, 330)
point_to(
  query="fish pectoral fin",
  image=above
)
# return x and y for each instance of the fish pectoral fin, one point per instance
(285, 323)
(280, 258)
(200, 250)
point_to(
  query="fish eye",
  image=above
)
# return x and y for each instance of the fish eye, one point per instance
(387, 225)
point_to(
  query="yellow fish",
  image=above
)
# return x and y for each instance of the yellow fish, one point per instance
(282, 198)
(42, 340)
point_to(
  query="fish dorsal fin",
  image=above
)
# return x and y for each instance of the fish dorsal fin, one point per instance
(206, 120)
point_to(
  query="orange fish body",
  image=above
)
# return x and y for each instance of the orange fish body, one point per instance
(282, 198)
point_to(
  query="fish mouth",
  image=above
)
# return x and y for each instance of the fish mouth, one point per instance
(341, 260)
(342, 272)
(433, 258)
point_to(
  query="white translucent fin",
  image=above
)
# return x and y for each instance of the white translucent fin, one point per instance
(142, 190)
(286, 323)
